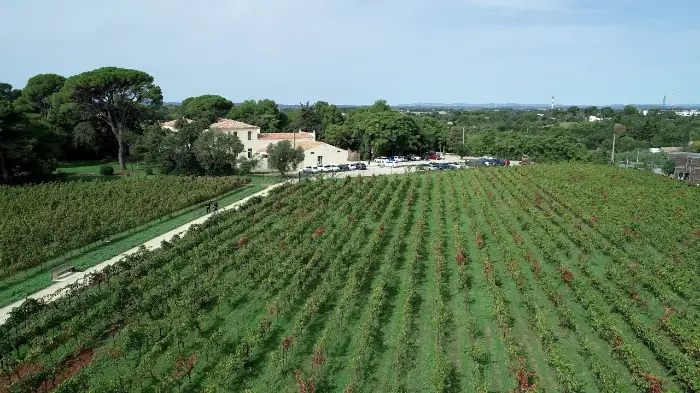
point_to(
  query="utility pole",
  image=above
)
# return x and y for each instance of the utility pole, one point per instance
(612, 156)
(462, 136)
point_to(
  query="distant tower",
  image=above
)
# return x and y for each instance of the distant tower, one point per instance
(665, 95)
(552, 101)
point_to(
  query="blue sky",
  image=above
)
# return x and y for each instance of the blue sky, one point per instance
(357, 51)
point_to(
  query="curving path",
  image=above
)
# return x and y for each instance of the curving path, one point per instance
(152, 244)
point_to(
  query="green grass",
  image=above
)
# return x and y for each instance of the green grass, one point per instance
(92, 167)
(30, 281)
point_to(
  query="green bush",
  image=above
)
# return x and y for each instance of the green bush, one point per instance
(149, 171)
(106, 170)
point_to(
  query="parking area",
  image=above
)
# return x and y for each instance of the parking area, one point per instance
(395, 168)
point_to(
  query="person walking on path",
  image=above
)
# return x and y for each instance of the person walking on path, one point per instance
(208, 206)
(216, 206)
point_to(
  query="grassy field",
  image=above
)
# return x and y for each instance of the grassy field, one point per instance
(29, 281)
(540, 278)
(82, 168)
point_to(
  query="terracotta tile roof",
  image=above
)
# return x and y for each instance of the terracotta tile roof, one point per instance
(229, 124)
(306, 145)
(286, 135)
(171, 123)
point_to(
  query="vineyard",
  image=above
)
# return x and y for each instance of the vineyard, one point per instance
(569, 278)
(41, 222)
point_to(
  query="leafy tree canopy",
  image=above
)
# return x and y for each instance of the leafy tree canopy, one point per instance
(37, 95)
(119, 98)
(210, 107)
(27, 146)
(264, 114)
(283, 157)
(217, 152)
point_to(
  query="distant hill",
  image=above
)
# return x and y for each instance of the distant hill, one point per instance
(508, 105)
(427, 105)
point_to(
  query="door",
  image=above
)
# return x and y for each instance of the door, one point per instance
(319, 160)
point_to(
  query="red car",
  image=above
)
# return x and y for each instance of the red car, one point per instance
(433, 157)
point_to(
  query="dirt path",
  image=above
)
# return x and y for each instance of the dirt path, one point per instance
(54, 291)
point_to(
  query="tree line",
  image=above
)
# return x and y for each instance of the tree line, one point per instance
(114, 113)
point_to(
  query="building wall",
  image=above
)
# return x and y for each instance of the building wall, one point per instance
(687, 166)
(252, 144)
(330, 155)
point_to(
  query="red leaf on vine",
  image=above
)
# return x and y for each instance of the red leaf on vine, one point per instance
(655, 383)
(461, 258)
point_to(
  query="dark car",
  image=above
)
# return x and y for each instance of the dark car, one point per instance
(413, 157)
(361, 166)
(344, 167)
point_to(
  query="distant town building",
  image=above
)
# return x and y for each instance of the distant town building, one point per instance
(668, 149)
(594, 118)
(687, 166)
(170, 125)
(691, 112)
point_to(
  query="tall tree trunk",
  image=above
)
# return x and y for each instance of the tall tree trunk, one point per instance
(6, 174)
(118, 132)
(120, 142)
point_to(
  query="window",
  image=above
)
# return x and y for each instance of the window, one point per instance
(250, 151)
(312, 152)
(235, 133)
(250, 135)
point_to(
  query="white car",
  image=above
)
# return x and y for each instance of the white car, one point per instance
(353, 167)
(309, 169)
(380, 160)
(400, 159)
(331, 168)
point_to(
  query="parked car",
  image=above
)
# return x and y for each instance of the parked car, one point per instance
(413, 157)
(386, 162)
(353, 166)
(380, 160)
(309, 169)
(344, 167)
(331, 168)
(361, 166)
(433, 157)
(400, 159)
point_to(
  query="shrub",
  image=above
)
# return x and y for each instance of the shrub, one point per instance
(106, 170)
(149, 171)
